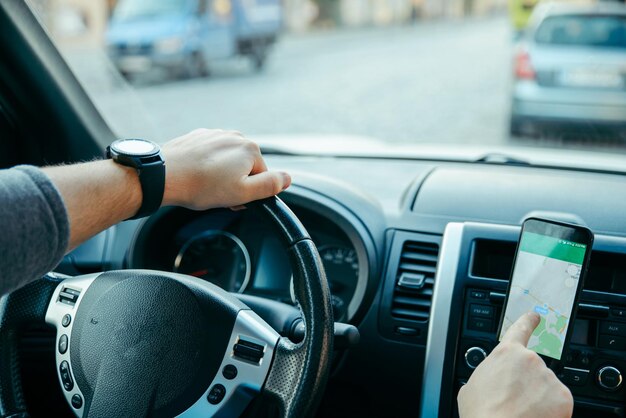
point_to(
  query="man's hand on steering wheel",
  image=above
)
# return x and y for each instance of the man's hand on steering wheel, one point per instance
(206, 168)
(214, 168)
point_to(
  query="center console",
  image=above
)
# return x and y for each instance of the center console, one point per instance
(475, 265)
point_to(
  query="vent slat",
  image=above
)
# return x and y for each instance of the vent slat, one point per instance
(418, 268)
(426, 292)
(404, 300)
(425, 247)
(414, 304)
(410, 314)
(423, 258)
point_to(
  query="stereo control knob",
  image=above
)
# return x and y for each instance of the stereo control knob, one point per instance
(474, 356)
(609, 378)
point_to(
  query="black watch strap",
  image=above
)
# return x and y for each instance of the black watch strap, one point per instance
(145, 157)
(152, 179)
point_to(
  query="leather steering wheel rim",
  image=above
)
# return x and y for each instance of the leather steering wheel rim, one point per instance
(298, 373)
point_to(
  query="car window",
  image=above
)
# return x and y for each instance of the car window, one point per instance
(594, 31)
(351, 73)
(137, 9)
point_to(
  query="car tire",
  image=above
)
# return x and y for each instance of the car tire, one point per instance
(515, 127)
(201, 67)
(193, 66)
(126, 76)
(259, 56)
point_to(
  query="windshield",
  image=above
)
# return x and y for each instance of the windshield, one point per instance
(584, 30)
(133, 9)
(352, 73)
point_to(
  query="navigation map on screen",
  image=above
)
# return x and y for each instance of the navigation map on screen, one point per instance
(545, 280)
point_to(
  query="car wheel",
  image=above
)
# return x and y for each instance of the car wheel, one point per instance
(199, 65)
(126, 76)
(259, 57)
(193, 66)
(515, 127)
(524, 127)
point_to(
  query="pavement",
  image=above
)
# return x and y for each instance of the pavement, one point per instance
(431, 82)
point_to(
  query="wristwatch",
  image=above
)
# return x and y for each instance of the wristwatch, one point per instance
(144, 156)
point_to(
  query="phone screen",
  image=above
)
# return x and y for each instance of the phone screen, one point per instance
(546, 279)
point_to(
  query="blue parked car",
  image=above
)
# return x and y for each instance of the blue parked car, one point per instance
(183, 36)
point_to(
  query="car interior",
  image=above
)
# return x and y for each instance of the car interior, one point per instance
(417, 250)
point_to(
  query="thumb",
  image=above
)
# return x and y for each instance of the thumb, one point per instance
(522, 329)
(266, 184)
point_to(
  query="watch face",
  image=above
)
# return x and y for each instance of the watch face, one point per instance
(137, 147)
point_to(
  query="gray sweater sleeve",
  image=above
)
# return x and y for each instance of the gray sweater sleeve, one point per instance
(34, 226)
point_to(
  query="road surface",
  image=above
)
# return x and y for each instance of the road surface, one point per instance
(430, 82)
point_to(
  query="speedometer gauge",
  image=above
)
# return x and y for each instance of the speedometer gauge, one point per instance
(218, 257)
(342, 270)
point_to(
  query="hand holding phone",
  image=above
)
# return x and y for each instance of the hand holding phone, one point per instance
(548, 275)
(514, 382)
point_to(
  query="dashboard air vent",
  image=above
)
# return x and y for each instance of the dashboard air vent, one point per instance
(415, 278)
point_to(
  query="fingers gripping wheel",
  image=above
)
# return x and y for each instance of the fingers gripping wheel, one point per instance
(170, 344)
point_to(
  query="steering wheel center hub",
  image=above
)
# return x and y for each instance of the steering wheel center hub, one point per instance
(156, 332)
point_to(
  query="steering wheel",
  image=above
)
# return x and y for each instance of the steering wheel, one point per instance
(133, 343)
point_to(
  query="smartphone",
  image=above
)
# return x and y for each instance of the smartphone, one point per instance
(548, 275)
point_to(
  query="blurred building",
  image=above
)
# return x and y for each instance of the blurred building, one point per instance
(75, 22)
(83, 22)
(390, 12)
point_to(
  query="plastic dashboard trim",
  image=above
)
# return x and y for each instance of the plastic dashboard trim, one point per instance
(453, 274)
(358, 235)
(440, 315)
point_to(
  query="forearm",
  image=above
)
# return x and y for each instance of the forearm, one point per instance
(204, 169)
(97, 195)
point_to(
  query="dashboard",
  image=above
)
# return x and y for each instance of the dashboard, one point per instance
(237, 251)
(418, 256)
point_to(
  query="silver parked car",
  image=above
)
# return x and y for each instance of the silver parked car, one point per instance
(570, 69)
